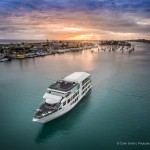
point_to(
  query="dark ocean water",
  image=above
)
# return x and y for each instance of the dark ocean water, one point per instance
(117, 109)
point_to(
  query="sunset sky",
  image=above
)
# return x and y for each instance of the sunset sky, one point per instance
(74, 19)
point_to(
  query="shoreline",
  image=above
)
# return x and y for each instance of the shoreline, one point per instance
(29, 50)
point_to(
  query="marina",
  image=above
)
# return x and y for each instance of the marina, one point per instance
(24, 50)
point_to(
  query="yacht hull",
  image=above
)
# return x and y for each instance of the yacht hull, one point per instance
(60, 112)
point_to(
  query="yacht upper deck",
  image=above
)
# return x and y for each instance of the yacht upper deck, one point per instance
(62, 85)
(77, 77)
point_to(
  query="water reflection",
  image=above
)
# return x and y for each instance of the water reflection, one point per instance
(29, 61)
(6, 63)
(25, 63)
(63, 124)
(82, 59)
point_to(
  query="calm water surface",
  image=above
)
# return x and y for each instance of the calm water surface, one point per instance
(117, 109)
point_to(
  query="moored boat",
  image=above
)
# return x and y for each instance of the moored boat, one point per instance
(5, 58)
(29, 55)
(20, 56)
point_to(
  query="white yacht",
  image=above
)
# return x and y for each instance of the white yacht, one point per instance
(62, 96)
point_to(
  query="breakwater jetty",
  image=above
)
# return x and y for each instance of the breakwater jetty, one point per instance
(141, 40)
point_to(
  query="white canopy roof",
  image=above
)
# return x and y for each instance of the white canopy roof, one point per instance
(77, 77)
(51, 99)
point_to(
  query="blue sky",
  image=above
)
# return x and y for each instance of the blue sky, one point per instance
(74, 19)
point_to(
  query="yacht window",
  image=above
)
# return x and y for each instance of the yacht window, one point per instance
(82, 82)
(68, 94)
(85, 80)
(74, 96)
(78, 87)
(64, 103)
(50, 105)
(57, 93)
(68, 100)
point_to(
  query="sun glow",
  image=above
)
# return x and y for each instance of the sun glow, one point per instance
(73, 29)
(85, 37)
